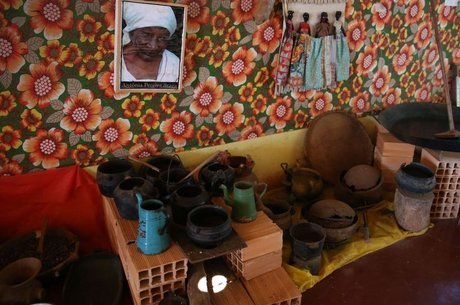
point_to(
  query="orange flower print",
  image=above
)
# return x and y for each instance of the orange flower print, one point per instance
(106, 43)
(423, 94)
(367, 61)
(219, 23)
(344, 96)
(192, 43)
(204, 136)
(365, 4)
(430, 57)
(421, 76)
(82, 155)
(402, 59)
(82, 112)
(105, 82)
(49, 16)
(6, 4)
(150, 120)
(108, 8)
(423, 35)
(360, 103)
(188, 71)
(236, 70)
(404, 80)
(52, 51)
(40, 86)
(91, 65)
(392, 49)
(219, 55)
(445, 14)
(197, 15)
(381, 14)
(207, 97)
(267, 36)
(247, 92)
(403, 34)
(321, 102)
(396, 24)
(357, 84)
(112, 135)
(178, 129)
(10, 168)
(144, 151)
(132, 107)
(46, 148)
(10, 138)
(280, 112)
(11, 49)
(88, 28)
(411, 89)
(229, 118)
(392, 97)
(259, 105)
(233, 36)
(7, 103)
(438, 80)
(300, 119)
(252, 132)
(204, 47)
(31, 119)
(456, 56)
(415, 69)
(380, 82)
(168, 103)
(244, 10)
(356, 34)
(414, 11)
(71, 56)
(262, 76)
(141, 138)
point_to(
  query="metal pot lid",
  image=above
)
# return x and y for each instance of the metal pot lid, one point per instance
(335, 142)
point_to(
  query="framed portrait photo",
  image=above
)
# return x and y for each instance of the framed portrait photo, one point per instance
(149, 46)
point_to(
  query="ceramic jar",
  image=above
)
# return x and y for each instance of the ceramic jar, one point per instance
(416, 178)
(214, 174)
(125, 199)
(109, 174)
(172, 179)
(163, 163)
(184, 199)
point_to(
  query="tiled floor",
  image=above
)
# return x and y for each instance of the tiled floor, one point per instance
(423, 270)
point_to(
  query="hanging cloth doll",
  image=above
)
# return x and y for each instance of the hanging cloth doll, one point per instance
(342, 61)
(297, 72)
(287, 44)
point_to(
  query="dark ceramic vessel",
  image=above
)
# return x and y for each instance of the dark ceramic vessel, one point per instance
(109, 174)
(208, 225)
(214, 174)
(416, 178)
(125, 199)
(163, 163)
(185, 199)
(170, 180)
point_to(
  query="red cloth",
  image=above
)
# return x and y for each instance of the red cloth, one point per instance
(68, 197)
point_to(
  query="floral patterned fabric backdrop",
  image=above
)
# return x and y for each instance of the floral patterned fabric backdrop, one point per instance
(57, 105)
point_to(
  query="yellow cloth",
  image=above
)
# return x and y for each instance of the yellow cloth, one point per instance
(384, 231)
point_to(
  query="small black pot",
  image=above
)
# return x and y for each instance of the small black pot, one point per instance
(208, 225)
(112, 172)
(163, 163)
(214, 174)
(416, 178)
(125, 198)
(185, 199)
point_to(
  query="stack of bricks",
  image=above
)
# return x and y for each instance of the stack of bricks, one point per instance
(446, 166)
(149, 276)
(259, 264)
(389, 154)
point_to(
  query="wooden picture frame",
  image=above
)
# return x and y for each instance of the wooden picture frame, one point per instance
(149, 46)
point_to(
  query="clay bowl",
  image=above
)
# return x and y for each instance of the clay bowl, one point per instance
(305, 182)
(337, 236)
(331, 213)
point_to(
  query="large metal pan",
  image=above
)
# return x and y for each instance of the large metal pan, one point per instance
(417, 123)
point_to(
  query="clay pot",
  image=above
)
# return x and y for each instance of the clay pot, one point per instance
(18, 284)
(163, 163)
(280, 211)
(331, 213)
(214, 174)
(109, 174)
(185, 199)
(416, 178)
(242, 165)
(303, 182)
(170, 180)
(125, 196)
(336, 236)
(208, 225)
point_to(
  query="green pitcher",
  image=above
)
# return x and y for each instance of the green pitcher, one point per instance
(243, 201)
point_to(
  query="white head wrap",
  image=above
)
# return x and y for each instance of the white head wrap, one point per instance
(139, 15)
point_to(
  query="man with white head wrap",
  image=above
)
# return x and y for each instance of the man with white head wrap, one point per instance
(145, 38)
